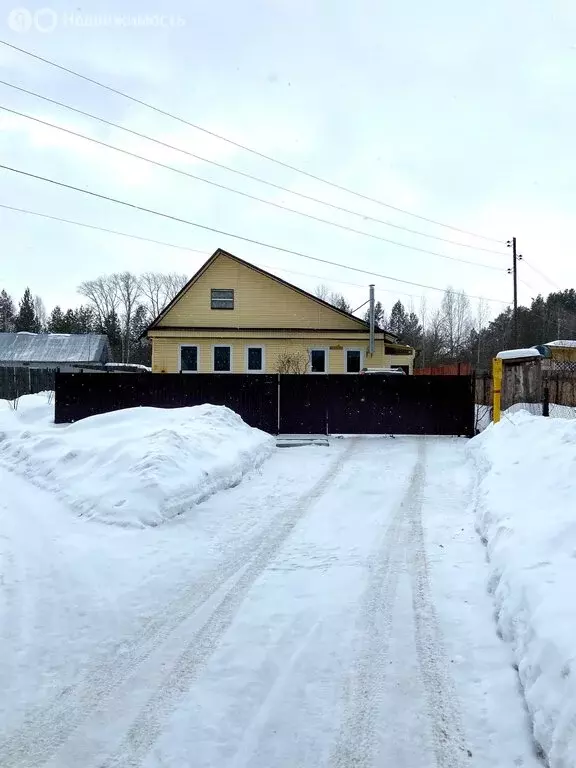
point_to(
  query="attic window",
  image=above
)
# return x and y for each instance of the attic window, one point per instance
(222, 298)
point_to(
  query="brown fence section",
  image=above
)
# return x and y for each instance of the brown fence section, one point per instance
(453, 369)
(333, 404)
(254, 398)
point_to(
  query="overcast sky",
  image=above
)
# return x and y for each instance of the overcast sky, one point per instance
(461, 112)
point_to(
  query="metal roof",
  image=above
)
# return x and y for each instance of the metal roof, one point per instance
(17, 348)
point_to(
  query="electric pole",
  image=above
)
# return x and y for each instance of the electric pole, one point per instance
(514, 273)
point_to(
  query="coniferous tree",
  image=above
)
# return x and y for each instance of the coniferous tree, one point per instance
(7, 313)
(26, 319)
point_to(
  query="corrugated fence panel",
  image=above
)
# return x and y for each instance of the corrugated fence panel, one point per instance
(254, 398)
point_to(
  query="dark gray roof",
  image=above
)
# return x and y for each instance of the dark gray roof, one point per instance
(18, 348)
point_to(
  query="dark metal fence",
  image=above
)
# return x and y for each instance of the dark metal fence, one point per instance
(15, 382)
(406, 405)
(289, 404)
(254, 398)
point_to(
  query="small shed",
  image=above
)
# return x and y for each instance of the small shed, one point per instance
(66, 351)
(521, 376)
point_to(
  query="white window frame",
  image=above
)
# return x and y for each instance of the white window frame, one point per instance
(197, 357)
(326, 360)
(224, 309)
(246, 358)
(353, 349)
(222, 346)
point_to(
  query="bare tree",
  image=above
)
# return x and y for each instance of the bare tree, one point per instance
(152, 289)
(173, 284)
(322, 291)
(480, 322)
(435, 339)
(159, 288)
(456, 321)
(128, 288)
(102, 294)
(40, 312)
(292, 362)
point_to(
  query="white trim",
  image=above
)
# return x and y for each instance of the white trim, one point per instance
(222, 346)
(353, 349)
(197, 357)
(326, 360)
(263, 350)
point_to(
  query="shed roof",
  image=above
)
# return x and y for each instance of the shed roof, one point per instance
(518, 354)
(566, 343)
(53, 348)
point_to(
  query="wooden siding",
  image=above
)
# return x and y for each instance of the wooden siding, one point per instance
(259, 302)
(166, 352)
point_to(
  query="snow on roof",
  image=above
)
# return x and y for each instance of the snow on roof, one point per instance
(53, 348)
(514, 354)
(130, 365)
(570, 343)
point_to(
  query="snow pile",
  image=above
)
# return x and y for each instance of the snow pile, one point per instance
(139, 466)
(527, 515)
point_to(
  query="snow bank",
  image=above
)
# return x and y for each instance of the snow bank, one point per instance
(527, 515)
(139, 466)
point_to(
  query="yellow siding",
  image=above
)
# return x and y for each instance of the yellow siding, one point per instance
(166, 352)
(259, 302)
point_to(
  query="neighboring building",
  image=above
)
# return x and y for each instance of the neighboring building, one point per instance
(66, 351)
(234, 317)
(559, 355)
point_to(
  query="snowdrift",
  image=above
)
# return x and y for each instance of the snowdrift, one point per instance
(527, 515)
(135, 467)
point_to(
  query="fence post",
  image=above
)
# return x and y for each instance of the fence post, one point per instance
(546, 402)
(497, 391)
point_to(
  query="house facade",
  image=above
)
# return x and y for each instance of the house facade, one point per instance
(234, 317)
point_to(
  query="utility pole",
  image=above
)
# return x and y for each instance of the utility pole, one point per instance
(514, 273)
(372, 319)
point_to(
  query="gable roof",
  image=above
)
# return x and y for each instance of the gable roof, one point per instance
(61, 348)
(221, 252)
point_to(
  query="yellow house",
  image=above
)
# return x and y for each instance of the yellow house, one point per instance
(233, 317)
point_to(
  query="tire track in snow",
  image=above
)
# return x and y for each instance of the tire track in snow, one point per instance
(355, 744)
(443, 705)
(46, 729)
(147, 726)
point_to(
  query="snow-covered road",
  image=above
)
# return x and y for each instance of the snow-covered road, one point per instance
(331, 610)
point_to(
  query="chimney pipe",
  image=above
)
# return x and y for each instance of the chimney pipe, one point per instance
(371, 346)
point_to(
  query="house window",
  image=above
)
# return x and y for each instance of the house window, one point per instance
(222, 298)
(189, 359)
(318, 361)
(353, 361)
(254, 359)
(222, 359)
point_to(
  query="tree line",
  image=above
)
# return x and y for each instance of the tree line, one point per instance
(459, 332)
(120, 305)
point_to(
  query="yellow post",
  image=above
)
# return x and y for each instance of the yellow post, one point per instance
(497, 388)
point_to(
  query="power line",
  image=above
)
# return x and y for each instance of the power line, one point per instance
(170, 217)
(242, 173)
(242, 146)
(538, 272)
(193, 250)
(101, 229)
(245, 194)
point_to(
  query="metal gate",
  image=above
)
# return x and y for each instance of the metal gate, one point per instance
(408, 405)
